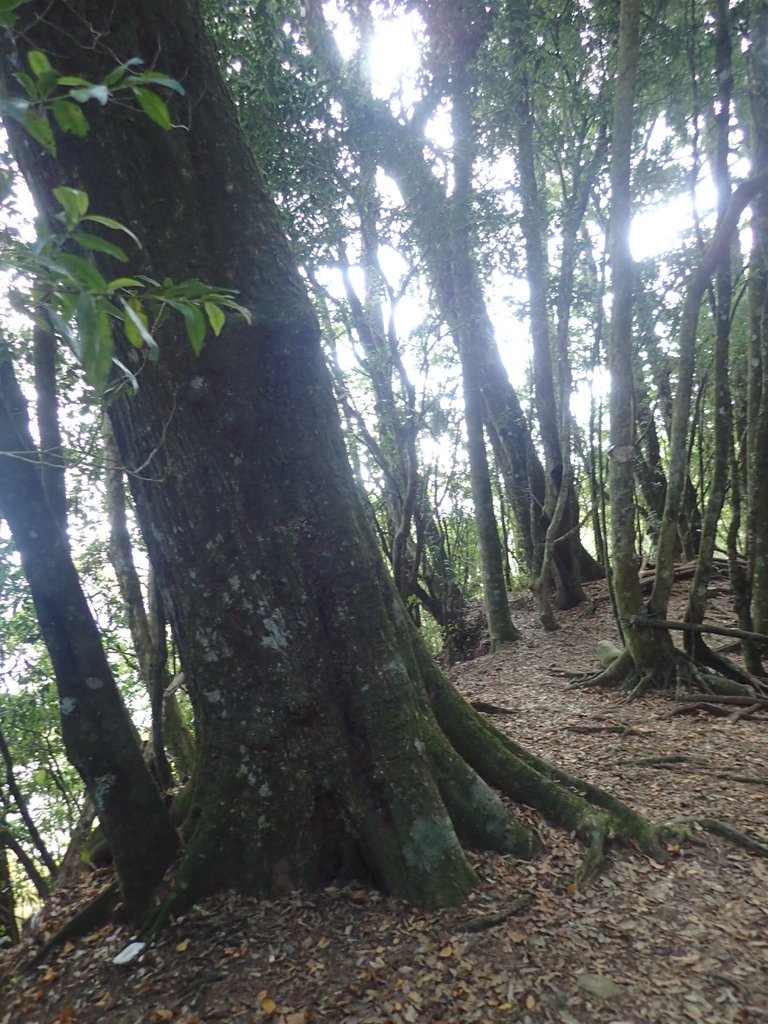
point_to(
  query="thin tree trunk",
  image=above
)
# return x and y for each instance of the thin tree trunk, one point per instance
(620, 348)
(52, 467)
(149, 645)
(9, 929)
(757, 381)
(469, 326)
(22, 809)
(97, 732)
(723, 426)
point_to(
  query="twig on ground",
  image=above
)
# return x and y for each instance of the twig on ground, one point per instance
(484, 921)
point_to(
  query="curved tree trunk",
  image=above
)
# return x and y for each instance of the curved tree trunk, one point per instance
(321, 751)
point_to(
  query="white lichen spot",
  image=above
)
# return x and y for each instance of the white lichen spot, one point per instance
(419, 745)
(234, 583)
(197, 383)
(429, 841)
(213, 696)
(93, 683)
(264, 790)
(396, 666)
(101, 787)
(277, 635)
(68, 705)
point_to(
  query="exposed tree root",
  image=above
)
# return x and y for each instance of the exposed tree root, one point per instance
(486, 921)
(697, 706)
(733, 835)
(593, 815)
(676, 760)
(747, 712)
(93, 915)
(622, 730)
(732, 700)
(678, 673)
(490, 709)
(690, 703)
(613, 675)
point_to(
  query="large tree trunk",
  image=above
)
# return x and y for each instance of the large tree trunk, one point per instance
(319, 753)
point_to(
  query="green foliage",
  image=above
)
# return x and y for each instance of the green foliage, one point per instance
(70, 292)
(49, 93)
(84, 307)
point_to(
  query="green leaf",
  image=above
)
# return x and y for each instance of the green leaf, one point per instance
(74, 202)
(84, 273)
(109, 222)
(244, 313)
(96, 244)
(38, 127)
(28, 83)
(123, 282)
(15, 107)
(136, 325)
(158, 78)
(130, 377)
(7, 18)
(73, 80)
(118, 73)
(90, 92)
(69, 117)
(97, 346)
(215, 317)
(155, 108)
(65, 331)
(47, 83)
(194, 322)
(38, 62)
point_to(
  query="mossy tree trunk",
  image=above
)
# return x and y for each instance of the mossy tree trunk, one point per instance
(328, 743)
(757, 380)
(643, 647)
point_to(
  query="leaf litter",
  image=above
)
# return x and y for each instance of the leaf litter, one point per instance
(646, 943)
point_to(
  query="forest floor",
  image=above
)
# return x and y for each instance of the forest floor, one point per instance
(646, 943)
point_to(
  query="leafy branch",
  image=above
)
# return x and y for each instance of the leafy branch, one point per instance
(69, 293)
